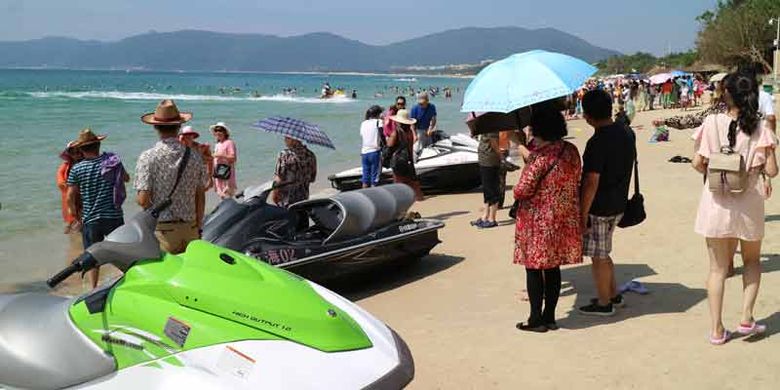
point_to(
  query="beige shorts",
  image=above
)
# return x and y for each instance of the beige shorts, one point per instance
(175, 236)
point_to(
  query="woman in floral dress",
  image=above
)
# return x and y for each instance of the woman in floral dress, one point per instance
(548, 233)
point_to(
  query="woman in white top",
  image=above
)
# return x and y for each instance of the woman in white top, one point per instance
(728, 220)
(370, 152)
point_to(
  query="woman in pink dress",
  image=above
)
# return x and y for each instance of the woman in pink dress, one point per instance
(225, 153)
(548, 233)
(728, 220)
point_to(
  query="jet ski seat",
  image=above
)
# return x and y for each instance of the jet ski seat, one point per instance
(355, 213)
(40, 348)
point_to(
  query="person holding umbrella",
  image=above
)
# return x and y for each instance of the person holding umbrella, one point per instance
(296, 166)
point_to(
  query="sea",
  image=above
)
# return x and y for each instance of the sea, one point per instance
(41, 110)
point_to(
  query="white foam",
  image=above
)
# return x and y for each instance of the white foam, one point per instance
(410, 80)
(160, 96)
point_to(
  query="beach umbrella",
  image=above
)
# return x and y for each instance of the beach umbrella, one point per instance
(678, 73)
(660, 78)
(524, 79)
(718, 77)
(296, 129)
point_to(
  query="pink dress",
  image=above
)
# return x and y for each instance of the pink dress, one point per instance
(728, 215)
(225, 188)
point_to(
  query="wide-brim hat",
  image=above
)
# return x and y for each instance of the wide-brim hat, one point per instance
(166, 113)
(189, 131)
(220, 125)
(403, 117)
(87, 137)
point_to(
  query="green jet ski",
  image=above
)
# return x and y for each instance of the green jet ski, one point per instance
(209, 318)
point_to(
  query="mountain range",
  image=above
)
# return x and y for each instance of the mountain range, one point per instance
(194, 50)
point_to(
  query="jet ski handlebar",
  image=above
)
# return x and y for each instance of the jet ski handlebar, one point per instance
(83, 263)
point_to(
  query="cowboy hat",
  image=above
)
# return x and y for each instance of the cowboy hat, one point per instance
(189, 131)
(403, 117)
(166, 113)
(86, 137)
(220, 125)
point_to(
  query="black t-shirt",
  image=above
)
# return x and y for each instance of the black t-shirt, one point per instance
(611, 153)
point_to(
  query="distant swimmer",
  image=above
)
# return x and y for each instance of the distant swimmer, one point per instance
(354, 94)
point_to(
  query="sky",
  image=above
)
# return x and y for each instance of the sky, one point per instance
(654, 26)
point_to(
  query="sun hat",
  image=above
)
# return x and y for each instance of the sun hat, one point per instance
(403, 117)
(166, 113)
(87, 137)
(220, 125)
(188, 130)
(65, 154)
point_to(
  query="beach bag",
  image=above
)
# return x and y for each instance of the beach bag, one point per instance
(222, 172)
(635, 208)
(727, 170)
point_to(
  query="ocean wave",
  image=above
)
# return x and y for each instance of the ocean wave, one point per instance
(410, 80)
(160, 96)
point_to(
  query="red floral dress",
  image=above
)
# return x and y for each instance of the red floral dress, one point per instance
(548, 232)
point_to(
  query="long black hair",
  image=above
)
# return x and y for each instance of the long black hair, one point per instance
(742, 87)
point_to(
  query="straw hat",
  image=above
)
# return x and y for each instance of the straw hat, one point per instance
(403, 117)
(166, 113)
(189, 131)
(220, 125)
(86, 137)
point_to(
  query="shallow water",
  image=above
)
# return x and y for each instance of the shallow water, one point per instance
(40, 110)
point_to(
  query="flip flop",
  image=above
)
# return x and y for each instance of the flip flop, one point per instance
(635, 287)
(723, 340)
(749, 330)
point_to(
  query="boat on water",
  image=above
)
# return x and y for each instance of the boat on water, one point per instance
(325, 239)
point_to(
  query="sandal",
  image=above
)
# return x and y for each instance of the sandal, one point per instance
(529, 328)
(477, 222)
(723, 340)
(752, 329)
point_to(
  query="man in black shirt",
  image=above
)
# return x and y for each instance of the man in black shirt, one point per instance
(607, 164)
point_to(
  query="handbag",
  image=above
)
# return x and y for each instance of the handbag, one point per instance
(516, 204)
(400, 160)
(222, 172)
(727, 171)
(635, 208)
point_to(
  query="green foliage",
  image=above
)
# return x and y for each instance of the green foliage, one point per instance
(738, 32)
(644, 62)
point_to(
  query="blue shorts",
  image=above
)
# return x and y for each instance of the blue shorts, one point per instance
(371, 168)
(97, 231)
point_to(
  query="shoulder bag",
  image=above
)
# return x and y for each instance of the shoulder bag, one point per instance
(182, 165)
(635, 208)
(726, 170)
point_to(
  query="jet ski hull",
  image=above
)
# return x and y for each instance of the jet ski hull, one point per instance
(433, 179)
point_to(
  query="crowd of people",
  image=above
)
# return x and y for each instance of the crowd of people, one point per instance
(570, 207)
(177, 170)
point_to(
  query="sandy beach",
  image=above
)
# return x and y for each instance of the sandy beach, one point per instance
(457, 308)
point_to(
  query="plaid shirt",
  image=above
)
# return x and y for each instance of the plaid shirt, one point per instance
(296, 165)
(156, 172)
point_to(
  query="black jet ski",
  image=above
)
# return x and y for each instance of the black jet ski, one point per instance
(450, 164)
(323, 239)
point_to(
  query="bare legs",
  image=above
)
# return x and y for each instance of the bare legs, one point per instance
(721, 252)
(490, 212)
(603, 270)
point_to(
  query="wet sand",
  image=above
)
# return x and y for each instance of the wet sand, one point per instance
(457, 308)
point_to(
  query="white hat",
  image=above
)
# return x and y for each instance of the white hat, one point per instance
(220, 124)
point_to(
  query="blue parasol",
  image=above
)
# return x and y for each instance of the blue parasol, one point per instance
(524, 79)
(296, 129)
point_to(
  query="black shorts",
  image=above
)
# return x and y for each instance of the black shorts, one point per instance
(491, 184)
